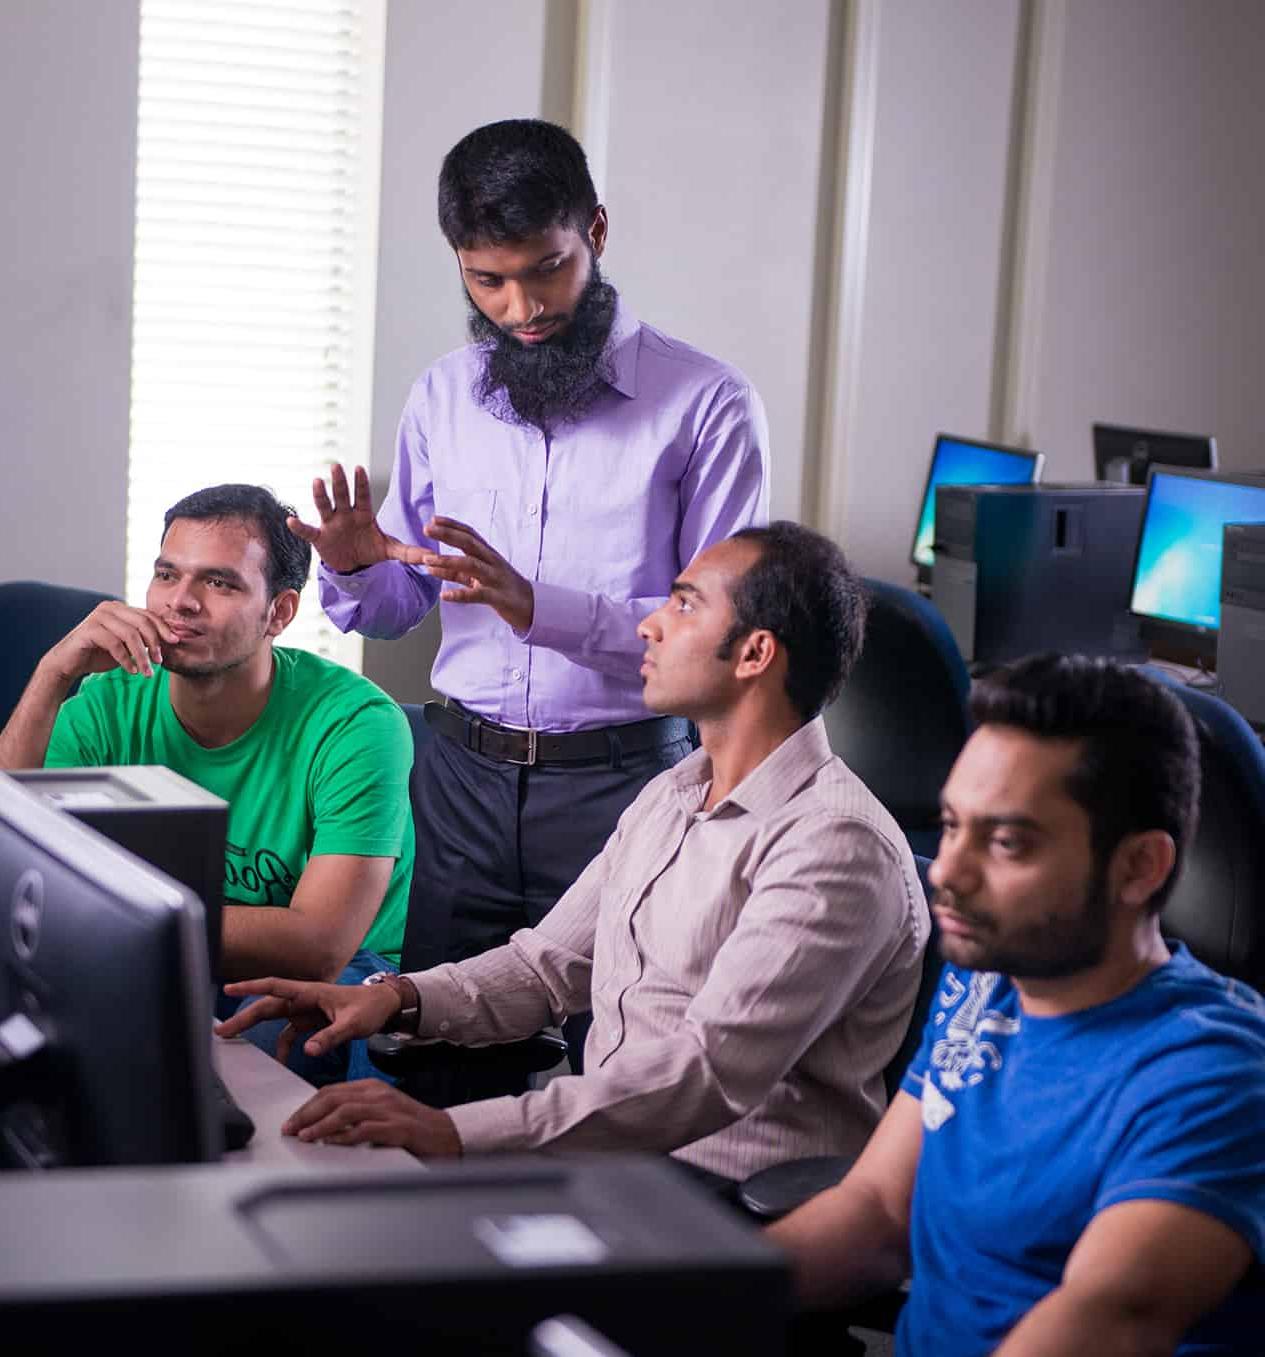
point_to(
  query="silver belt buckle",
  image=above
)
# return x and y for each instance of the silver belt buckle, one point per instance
(530, 760)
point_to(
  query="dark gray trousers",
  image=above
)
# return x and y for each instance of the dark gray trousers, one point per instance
(497, 845)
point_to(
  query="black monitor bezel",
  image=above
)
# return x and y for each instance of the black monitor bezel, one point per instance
(168, 1050)
(1206, 440)
(1189, 643)
(1038, 468)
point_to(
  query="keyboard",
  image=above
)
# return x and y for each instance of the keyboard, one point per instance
(238, 1127)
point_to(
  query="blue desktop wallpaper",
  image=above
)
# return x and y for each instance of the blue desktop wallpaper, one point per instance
(1178, 573)
(964, 464)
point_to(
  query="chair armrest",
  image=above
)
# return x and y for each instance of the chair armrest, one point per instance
(399, 1056)
(775, 1192)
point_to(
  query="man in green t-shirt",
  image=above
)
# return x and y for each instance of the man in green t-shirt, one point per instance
(313, 760)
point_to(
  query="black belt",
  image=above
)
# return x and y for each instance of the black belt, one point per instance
(514, 744)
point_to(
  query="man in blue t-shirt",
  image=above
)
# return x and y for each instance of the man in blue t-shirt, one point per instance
(1076, 1161)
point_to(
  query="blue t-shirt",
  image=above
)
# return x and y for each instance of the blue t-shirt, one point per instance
(1031, 1126)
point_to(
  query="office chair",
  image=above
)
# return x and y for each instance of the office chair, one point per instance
(33, 617)
(443, 1073)
(778, 1190)
(902, 716)
(1218, 904)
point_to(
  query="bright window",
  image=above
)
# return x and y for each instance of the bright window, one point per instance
(258, 151)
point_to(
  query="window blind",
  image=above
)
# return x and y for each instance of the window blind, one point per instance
(258, 154)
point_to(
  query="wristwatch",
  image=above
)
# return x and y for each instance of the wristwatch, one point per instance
(409, 1016)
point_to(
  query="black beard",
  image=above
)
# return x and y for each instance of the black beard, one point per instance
(544, 385)
(1051, 949)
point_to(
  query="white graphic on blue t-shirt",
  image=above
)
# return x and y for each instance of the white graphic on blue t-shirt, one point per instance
(936, 1108)
(962, 1055)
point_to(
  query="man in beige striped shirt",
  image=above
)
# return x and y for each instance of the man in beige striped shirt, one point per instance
(749, 939)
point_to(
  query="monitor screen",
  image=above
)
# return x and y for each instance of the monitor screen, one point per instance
(1177, 570)
(105, 1001)
(959, 461)
(1126, 455)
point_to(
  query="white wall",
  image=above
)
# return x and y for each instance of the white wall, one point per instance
(915, 354)
(1154, 287)
(67, 162)
(1004, 218)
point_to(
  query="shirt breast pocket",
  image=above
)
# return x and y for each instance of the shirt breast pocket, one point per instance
(475, 507)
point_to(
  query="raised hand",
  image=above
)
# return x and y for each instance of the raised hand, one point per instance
(349, 538)
(481, 574)
(334, 1013)
(112, 636)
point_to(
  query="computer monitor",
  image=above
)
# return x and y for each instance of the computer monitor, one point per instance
(962, 461)
(166, 820)
(105, 1001)
(1126, 455)
(1176, 588)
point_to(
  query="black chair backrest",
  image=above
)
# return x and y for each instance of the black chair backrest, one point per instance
(902, 716)
(1218, 904)
(33, 617)
(932, 965)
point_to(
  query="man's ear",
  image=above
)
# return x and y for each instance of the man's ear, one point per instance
(283, 606)
(1141, 864)
(758, 652)
(598, 229)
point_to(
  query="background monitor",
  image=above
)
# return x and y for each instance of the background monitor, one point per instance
(961, 461)
(1176, 586)
(1126, 455)
(105, 1001)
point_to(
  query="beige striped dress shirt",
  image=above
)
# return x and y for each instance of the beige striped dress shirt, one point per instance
(751, 969)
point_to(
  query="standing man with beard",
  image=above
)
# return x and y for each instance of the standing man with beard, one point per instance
(551, 480)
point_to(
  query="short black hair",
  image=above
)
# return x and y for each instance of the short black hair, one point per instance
(802, 590)
(510, 180)
(289, 557)
(1139, 767)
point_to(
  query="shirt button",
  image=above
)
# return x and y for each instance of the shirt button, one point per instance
(445, 1025)
(533, 509)
(516, 674)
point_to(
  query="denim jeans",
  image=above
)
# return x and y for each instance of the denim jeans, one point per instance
(347, 1062)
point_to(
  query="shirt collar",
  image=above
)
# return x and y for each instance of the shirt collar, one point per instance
(770, 784)
(622, 346)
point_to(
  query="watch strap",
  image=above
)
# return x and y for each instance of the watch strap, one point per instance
(407, 1018)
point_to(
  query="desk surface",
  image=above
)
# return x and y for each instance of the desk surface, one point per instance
(269, 1092)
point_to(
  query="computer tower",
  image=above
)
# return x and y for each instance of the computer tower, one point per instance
(1241, 643)
(168, 821)
(1025, 568)
(465, 1257)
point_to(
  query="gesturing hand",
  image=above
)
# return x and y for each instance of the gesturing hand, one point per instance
(349, 537)
(369, 1112)
(335, 1013)
(484, 575)
(112, 636)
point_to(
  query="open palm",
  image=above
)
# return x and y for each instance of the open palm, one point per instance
(349, 537)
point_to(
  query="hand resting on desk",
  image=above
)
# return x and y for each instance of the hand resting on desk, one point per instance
(367, 1111)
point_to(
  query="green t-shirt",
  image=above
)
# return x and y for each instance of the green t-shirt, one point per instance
(325, 769)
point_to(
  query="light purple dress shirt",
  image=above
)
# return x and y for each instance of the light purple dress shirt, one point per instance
(601, 515)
